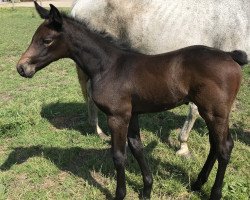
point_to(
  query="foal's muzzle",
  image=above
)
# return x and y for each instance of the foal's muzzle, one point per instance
(25, 70)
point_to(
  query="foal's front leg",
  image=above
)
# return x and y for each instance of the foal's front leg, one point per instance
(136, 147)
(119, 128)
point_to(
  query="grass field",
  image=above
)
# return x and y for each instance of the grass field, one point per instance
(48, 151)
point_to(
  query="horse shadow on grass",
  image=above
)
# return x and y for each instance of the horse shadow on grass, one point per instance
(82, 162)
(74, 116)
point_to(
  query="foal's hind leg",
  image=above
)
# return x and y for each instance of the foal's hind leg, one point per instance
(184, 134)
(136, 147)
(221, 147)
(224, 148)
(203, 175)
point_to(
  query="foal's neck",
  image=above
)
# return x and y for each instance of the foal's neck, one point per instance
(92, 53)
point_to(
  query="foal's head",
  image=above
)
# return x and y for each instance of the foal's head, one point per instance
(47, 44)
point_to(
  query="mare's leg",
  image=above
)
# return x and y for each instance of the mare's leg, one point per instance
(93, 113)
(136, 147)
(188, 125)
(221, 147)
(92, 109)
(119, 129)
(82, 78)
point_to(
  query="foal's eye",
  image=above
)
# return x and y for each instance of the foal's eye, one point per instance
(47, 41)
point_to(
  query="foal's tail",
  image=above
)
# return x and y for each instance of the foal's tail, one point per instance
(239, 56)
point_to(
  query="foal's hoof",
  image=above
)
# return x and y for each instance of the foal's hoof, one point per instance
(143, 196)
(215, 194)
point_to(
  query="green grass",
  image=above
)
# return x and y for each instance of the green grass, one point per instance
(48, 151)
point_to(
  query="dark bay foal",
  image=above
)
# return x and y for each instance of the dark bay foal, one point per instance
(126, 83)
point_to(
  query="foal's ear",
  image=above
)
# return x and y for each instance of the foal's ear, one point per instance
(44, 13)
(55, 16)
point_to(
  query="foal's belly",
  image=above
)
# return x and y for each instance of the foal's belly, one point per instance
(158, 103)
(150, 108)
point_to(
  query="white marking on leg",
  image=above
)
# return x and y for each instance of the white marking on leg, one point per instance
(185, 131)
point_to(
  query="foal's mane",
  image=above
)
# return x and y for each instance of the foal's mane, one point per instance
(119, 43)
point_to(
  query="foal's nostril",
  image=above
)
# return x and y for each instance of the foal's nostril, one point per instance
(20, 70)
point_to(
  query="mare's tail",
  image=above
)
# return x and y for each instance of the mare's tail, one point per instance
(239, 56)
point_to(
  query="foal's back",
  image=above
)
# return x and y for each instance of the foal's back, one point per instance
(167, 80)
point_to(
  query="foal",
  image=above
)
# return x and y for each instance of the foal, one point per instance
(126, 84)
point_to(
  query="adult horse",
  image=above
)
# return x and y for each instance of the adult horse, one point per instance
(125, 84)
(156, 26)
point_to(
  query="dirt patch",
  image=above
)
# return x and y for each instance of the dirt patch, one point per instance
(48, 183)
(52, 183)
(5, 97)
(62, 176)
(100, 179)
(19, 180)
